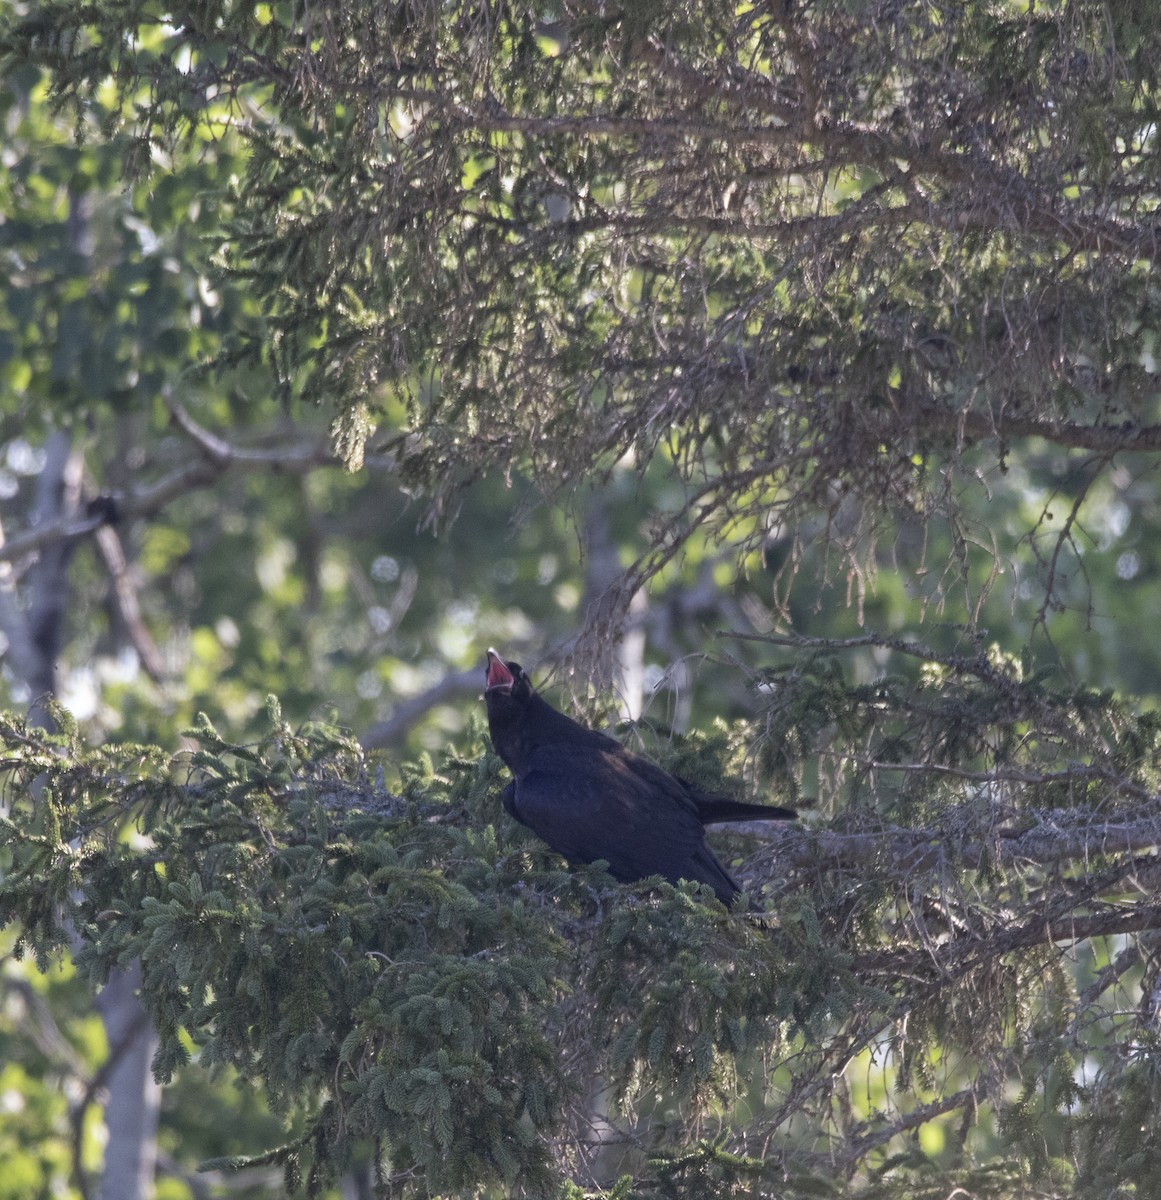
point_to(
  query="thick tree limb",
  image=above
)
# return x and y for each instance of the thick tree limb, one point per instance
(1050, 841)
(960, 954)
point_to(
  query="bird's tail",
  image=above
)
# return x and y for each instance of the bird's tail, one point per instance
(717, 809)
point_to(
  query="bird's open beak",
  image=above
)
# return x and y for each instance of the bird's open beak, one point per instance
(498, 675)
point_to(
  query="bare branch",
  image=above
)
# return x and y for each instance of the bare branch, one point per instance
(879, 1132)
(395, 728)
(125, 594)
(217, 457)
(1051, 840)
(216, 449)
(960, 954)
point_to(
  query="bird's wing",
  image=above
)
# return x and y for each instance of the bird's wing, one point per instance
(591, 803)
(508, 799)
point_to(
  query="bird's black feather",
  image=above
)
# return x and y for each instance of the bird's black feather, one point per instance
(589, 798)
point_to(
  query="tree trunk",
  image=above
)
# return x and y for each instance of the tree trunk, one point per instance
(35, 635)
(134, 1098)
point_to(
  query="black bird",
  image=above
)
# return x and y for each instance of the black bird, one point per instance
(588, 797)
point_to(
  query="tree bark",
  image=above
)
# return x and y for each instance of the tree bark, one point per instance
(134, 1098)
(35, 636)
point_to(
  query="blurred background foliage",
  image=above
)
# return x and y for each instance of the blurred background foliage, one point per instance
(138, 315)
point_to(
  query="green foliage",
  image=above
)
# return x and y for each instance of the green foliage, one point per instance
(382, 964)
(410, 977)
(108, 295)
(1120, 1144)
(859, 294)
(49, 1041)
(828, 280)
(294, 920)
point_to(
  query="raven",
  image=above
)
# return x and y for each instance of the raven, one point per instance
(589, 798)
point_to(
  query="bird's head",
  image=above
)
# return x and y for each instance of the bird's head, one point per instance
(509, 697)
(521, 721)
(505, 680)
